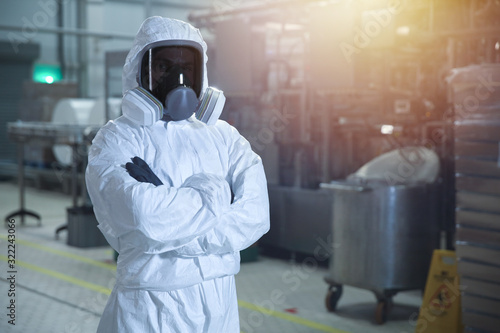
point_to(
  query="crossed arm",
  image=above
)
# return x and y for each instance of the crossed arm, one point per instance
(195, 219)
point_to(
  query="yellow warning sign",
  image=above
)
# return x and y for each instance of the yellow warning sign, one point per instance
(441, 310)
(441, 300)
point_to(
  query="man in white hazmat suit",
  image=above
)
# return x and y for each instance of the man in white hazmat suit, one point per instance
(161, 191)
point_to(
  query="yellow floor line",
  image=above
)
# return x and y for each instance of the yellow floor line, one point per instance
(288, 317)
(61, 276)
(64, 254)
(106, 291)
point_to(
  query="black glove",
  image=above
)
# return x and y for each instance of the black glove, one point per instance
(141, 172)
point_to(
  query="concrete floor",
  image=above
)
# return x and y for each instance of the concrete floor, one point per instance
(61, 288)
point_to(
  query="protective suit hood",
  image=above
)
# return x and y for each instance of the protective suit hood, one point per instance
(156, 30)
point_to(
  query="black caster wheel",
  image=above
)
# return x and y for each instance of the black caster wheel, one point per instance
(381, 311)
(332, 297)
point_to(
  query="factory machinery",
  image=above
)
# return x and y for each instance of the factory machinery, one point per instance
(320, 88)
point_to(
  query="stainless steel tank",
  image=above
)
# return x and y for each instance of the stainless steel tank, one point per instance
(384, 236)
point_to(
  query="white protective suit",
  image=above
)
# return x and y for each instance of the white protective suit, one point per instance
(178, 243)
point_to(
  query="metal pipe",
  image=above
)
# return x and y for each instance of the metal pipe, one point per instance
(60, 38)
(74, 175)
(147, 8)
(431, 17)
(470, 33)
(76, 32)
(157, 4)
(20, 178)
(213, 13)
(326, 150)
(81, 23)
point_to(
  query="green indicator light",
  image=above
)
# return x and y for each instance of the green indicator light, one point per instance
(47, 73)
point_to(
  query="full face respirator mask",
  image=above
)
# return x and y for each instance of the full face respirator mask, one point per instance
(170, 82)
